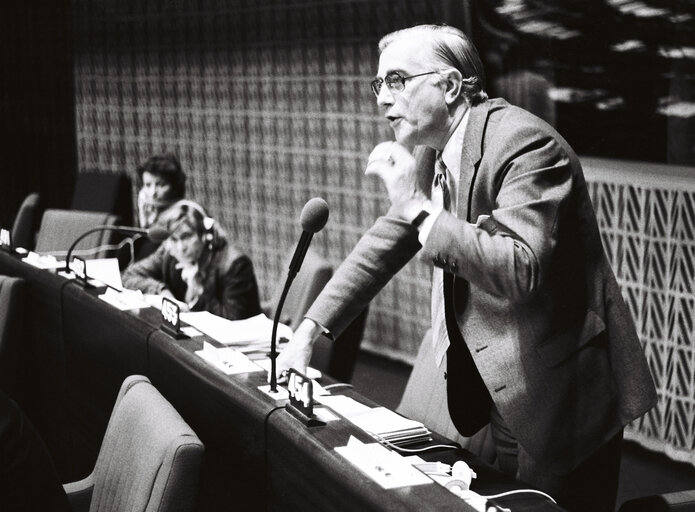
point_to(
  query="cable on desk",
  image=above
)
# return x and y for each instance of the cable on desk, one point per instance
(389, 444)
(520, 491)
(265, 439)
(339, 385)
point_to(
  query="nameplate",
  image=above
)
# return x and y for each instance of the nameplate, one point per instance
(171, 319)
(301, 391)
(301, 394)
(6, 240)
(79, 267)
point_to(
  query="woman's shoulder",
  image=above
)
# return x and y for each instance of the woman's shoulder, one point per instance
(230, 255)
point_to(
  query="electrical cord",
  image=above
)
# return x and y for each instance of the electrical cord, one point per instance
(339, 385)
(520, 491)
(95, 250)
(393, 446)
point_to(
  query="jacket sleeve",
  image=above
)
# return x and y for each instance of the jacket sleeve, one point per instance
(237, 295)
(507, 251)
(381, 252)
(146, 275)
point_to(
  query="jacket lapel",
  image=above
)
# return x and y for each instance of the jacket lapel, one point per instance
(470, 157)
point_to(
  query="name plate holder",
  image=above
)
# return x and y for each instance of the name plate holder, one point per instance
(6, 241)
(301, 394)
(171, 320)
(79, 267)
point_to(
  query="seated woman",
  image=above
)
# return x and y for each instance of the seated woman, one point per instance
(197, 267)
(161, 182)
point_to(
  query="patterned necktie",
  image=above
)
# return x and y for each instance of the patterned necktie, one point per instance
(440, 187)
(440, 338)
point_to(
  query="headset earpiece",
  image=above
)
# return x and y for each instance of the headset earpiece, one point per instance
(209, 232)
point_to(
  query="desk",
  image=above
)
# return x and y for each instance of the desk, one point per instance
(255, 452)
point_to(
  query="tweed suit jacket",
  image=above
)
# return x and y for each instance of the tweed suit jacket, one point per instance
(534, 295)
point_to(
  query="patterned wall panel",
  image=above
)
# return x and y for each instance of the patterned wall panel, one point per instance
(267, 104)
(646, 215)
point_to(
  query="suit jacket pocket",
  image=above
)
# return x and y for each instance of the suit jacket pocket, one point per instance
(557, 348)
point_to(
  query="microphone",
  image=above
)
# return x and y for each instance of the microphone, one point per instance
(156, 234)
(313, 218)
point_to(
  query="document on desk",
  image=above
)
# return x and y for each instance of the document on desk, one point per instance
(125, 299)
(45, 261)
(228, 360)
(255, 331)
(105, 270)
(385, 467)
(382, 423)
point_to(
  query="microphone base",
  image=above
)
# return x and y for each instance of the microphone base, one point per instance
(308, 421)
(174, 334)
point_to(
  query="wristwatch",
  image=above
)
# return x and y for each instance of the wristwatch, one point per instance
(420, 218)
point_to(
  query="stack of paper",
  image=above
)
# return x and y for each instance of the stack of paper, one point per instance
(391, 427)
(249, 335)
(385, 467)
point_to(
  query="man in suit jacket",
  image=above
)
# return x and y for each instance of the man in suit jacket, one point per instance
(537, 338)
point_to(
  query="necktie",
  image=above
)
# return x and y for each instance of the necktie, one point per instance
(440, 338)
(440, 187)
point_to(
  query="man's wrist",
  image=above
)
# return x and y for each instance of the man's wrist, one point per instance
(310, 329)
(420, 218)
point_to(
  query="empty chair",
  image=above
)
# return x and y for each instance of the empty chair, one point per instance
(26, 222)
(106, 192)
(60, 228)
(424, 400)
(337, 357)
(308, 283)
(12, 352)
(149, 459)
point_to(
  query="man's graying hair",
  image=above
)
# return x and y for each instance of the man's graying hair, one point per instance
(453, 48)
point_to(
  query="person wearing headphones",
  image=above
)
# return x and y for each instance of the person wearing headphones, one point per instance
(197, 267)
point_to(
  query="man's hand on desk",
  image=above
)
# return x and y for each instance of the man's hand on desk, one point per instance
(297, 352)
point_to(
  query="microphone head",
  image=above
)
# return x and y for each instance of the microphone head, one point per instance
(157, 234)
(314, 215)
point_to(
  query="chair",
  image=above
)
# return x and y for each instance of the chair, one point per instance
(337, 357)
(60, 228)
(12, 351)
(26, 222)
(681, 501)
(104, 192)
(424, 399)
(149, 459)
(308, 283)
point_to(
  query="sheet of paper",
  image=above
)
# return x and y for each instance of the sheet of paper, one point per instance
(385, 467)
(227, 360)
(235, 332)
(124, 300)
(45, 261)
(343, 405)
(381, 420)
(105, 270)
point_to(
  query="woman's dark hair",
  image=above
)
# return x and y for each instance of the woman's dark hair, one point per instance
(167, 167)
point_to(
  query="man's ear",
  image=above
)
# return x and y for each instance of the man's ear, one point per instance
(452, 85)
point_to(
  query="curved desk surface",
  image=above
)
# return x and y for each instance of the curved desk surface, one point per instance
(78, 351)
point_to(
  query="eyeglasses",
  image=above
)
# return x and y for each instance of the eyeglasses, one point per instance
(394, 81)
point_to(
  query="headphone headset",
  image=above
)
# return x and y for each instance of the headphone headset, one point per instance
(209, 231)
